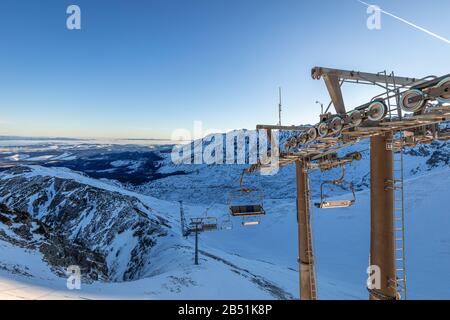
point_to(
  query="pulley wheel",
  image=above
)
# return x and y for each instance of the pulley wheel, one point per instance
(291, 142)
(412, 106)
(356, 118)
(445, 97)
(322, 129)
(312, 134)
(376, 111)
(336, 125)
(302, 139)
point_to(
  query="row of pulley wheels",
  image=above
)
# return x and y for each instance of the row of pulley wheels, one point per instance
(410, 101)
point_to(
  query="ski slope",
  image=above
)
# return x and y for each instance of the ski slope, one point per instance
(244, 263)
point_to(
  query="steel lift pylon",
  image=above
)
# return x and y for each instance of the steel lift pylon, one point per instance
(427, 100)
(308, 288)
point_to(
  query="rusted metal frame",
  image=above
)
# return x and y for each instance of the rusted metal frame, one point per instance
(277, 127)
(334, 89)
(328, 164)
(318, 72)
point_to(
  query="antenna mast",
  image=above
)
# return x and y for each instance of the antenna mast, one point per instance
(279, 106)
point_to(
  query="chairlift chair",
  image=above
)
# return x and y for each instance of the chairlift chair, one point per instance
(333, 204)
(209, 223)
(227, 224)
(246, 210)
(250, 213)
(253, 222)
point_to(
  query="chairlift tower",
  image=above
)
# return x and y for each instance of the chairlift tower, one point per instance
(409, 107)
(382, 242)
(184, 229)
(197, 223)
(308, 290)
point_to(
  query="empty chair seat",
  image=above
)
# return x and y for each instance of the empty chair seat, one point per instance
(209, 227)
(247, 210)
(335, 204)
(209, 224)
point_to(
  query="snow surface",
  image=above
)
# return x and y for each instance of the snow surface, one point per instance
(233, 261)
(17, 157)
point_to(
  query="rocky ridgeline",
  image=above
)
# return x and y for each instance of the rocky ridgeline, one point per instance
(59, 253)
(118, 227)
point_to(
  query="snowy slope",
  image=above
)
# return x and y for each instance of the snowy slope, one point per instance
(215, 278)
(120, 226)
(142, 243)
(260, 262)
(342, 240)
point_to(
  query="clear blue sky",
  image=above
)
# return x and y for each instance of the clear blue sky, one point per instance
(140, 69)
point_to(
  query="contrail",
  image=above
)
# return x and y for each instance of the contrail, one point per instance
(410, 23)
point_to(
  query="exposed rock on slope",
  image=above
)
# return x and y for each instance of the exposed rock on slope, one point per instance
(19, 229)
(120, 227)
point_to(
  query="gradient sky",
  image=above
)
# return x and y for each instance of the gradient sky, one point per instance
(140, 69)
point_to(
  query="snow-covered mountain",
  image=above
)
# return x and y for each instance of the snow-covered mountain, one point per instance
(214, 183)
(120, 226)
(138, 238)
(260, 262)
(135, 231)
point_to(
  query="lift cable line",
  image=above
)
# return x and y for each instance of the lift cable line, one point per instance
(408, 112)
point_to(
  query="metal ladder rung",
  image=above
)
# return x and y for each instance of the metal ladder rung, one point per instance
(398, 206)
(310, 247)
